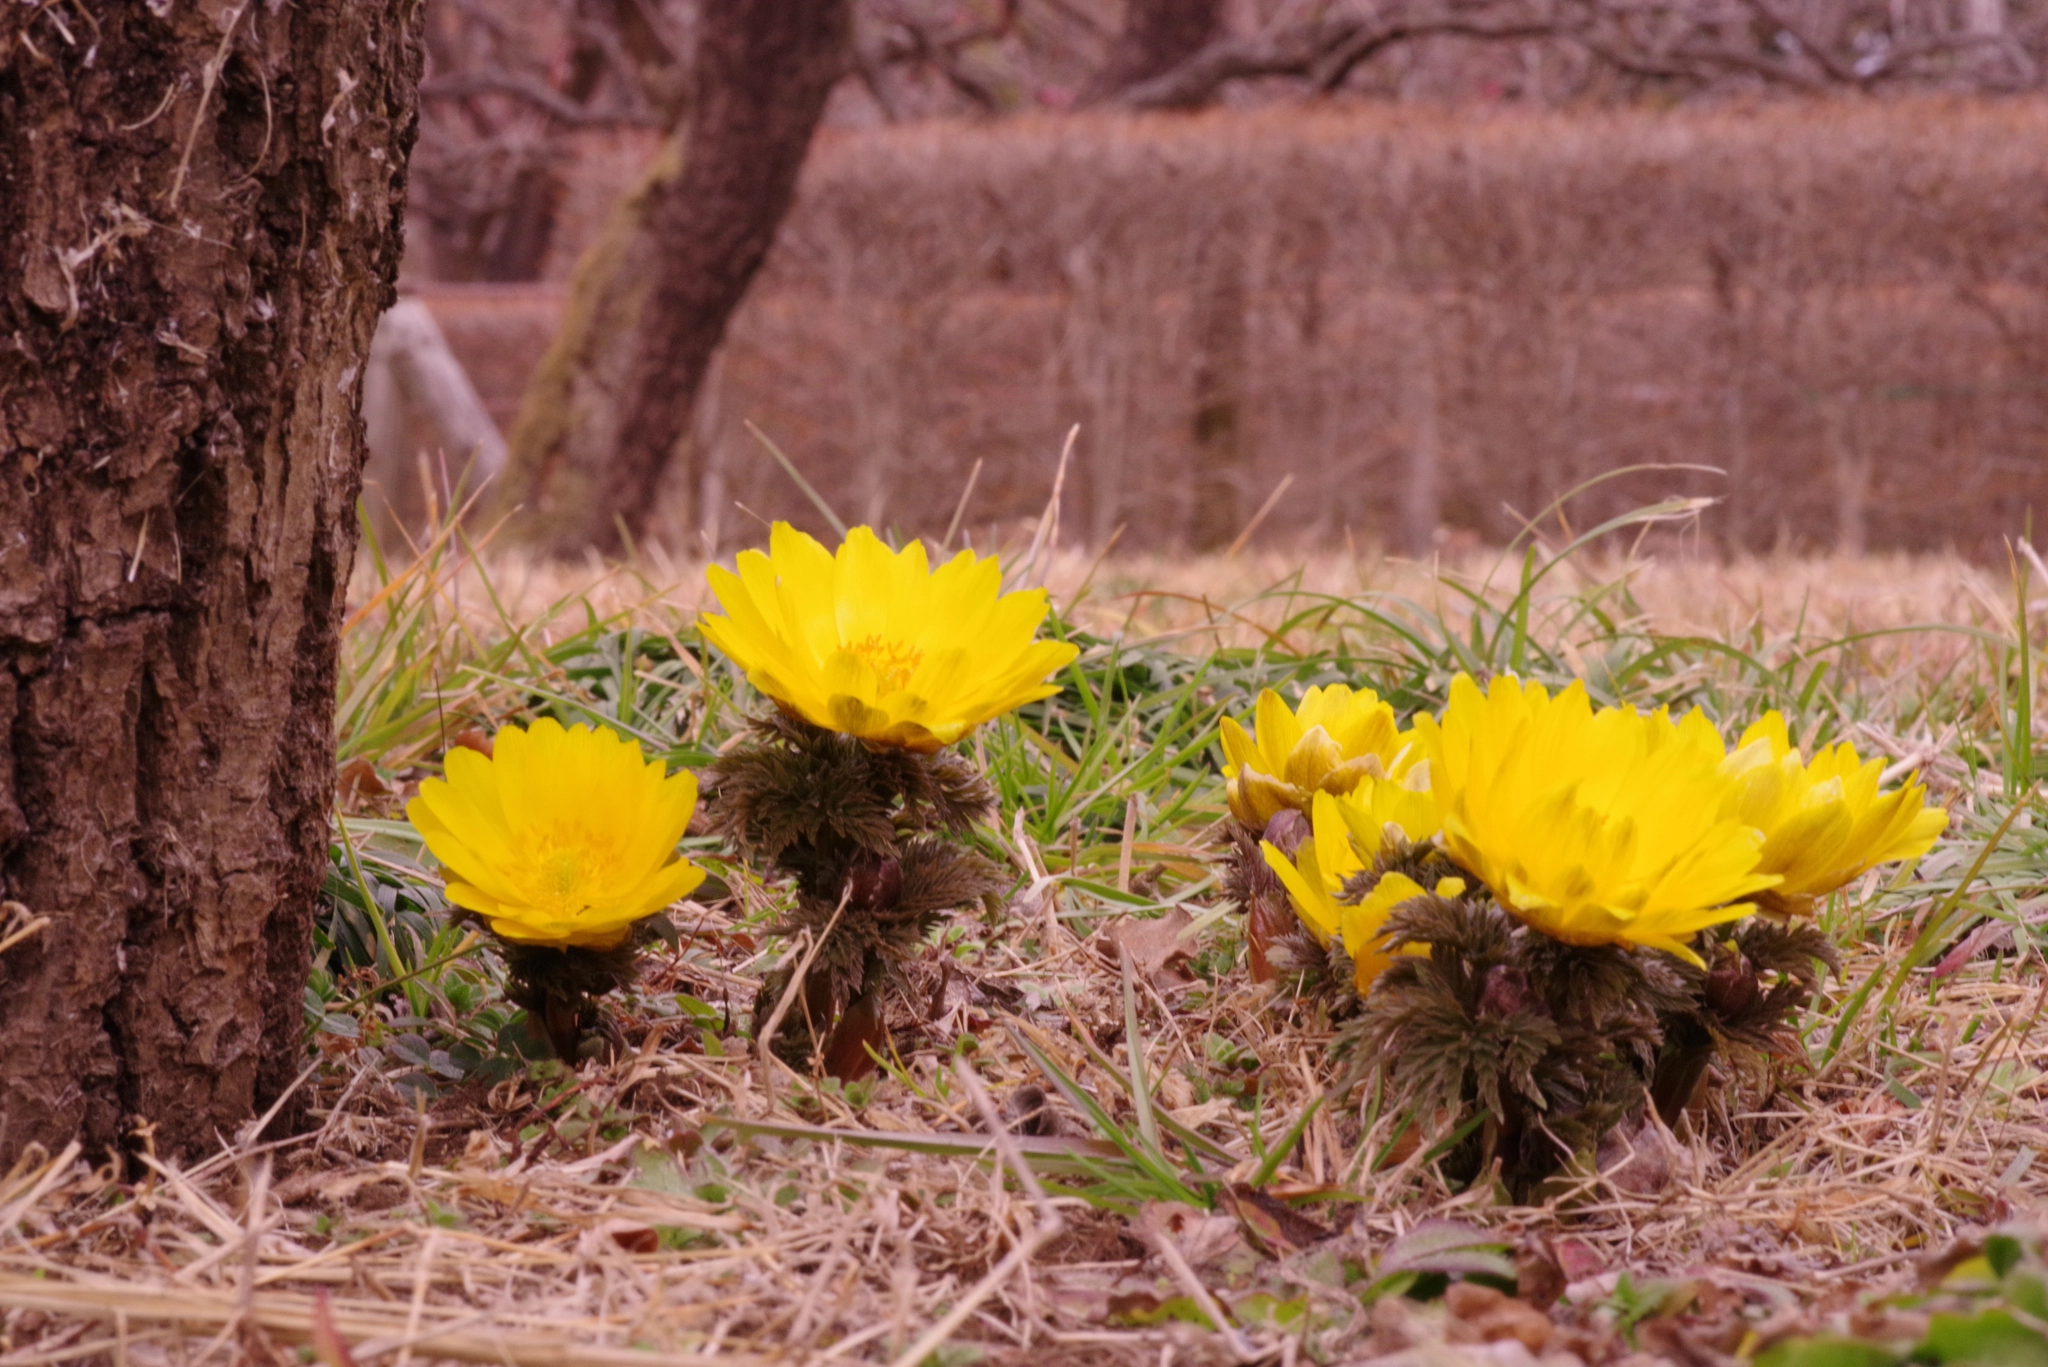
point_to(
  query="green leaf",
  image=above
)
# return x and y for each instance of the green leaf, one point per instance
(1450, 1247)
(1142, 1310)
(2003, 1252)
(1990, 1338)
(1266, 1311)
(2026, 1293)
(1827, 1350)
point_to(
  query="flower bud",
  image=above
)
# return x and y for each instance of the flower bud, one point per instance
(874, 885)
(1731, 988)
(1287, 830)
(1506, 992)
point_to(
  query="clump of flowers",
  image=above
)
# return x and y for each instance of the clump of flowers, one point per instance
(877, 663)
(562, 844)
(1595, 828)
(1336, 742)
(1557, 914)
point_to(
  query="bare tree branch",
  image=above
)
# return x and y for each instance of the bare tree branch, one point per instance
(911, 40)
(1696, 41)
(1334, 66)
(467, 85)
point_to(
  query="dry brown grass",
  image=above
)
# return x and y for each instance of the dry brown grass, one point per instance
(1680, 588)
(682, 1204)
(451, 1237)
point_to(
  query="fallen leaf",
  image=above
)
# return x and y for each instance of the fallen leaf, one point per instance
(1194, 1117)
(1030, 1111)
(1158, 953)
(1578, 1259)
(1974, 944)
(1639, 1162)
(357, 784)
(1204, 1240)
(632, 1236)
(1271, 1225)
(1539, 1274)
(473, 739)
(861, 1028)
(1482, 1314)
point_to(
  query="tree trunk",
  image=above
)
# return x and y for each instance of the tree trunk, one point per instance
(1222, 348)
(650, 301)
(412, 371)
(199, 227)
(1157, 36)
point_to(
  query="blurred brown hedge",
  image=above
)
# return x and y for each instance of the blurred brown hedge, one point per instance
(1430, 319)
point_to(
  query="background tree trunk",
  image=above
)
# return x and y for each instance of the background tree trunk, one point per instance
(650, 302)
(199, 227)
(1158, 36)
(1222, 343)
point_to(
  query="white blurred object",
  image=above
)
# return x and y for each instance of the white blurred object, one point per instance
(412, 367)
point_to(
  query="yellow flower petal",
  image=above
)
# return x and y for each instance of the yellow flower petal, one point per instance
(1825, 823)
(1593, 827)
(1331, 855)
(563, 836)
(1337, 739)
(878, 644)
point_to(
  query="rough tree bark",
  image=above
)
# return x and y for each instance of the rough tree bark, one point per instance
(199, 225)
(650, 302)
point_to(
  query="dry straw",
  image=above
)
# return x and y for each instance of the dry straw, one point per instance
(671, 1205)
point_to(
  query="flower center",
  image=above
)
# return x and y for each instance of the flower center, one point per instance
(566, 869)
(893, 661)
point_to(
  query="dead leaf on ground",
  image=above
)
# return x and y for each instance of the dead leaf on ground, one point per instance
(1578, 1259)
(1158, 952)
(630, 1235)
(358, 787)
(470, 738)
(1271, 1225)
(1540, 1277)
(1204, 1240)
(1481, 1314)
(1643, 1161)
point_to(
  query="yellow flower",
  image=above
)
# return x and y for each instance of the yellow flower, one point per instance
(1334, 739)
(1406, 804)
(1339, 827)
(1825, 823)
(1594, 828)
(561, 837)
(876, 644)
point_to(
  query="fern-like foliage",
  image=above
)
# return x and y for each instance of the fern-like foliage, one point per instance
(939, 875)
(870, 837)
(1550, 1044)
(1753, 987)
(809, 800)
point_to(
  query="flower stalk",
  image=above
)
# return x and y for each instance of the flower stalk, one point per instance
(877, 663)
(561, 844)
